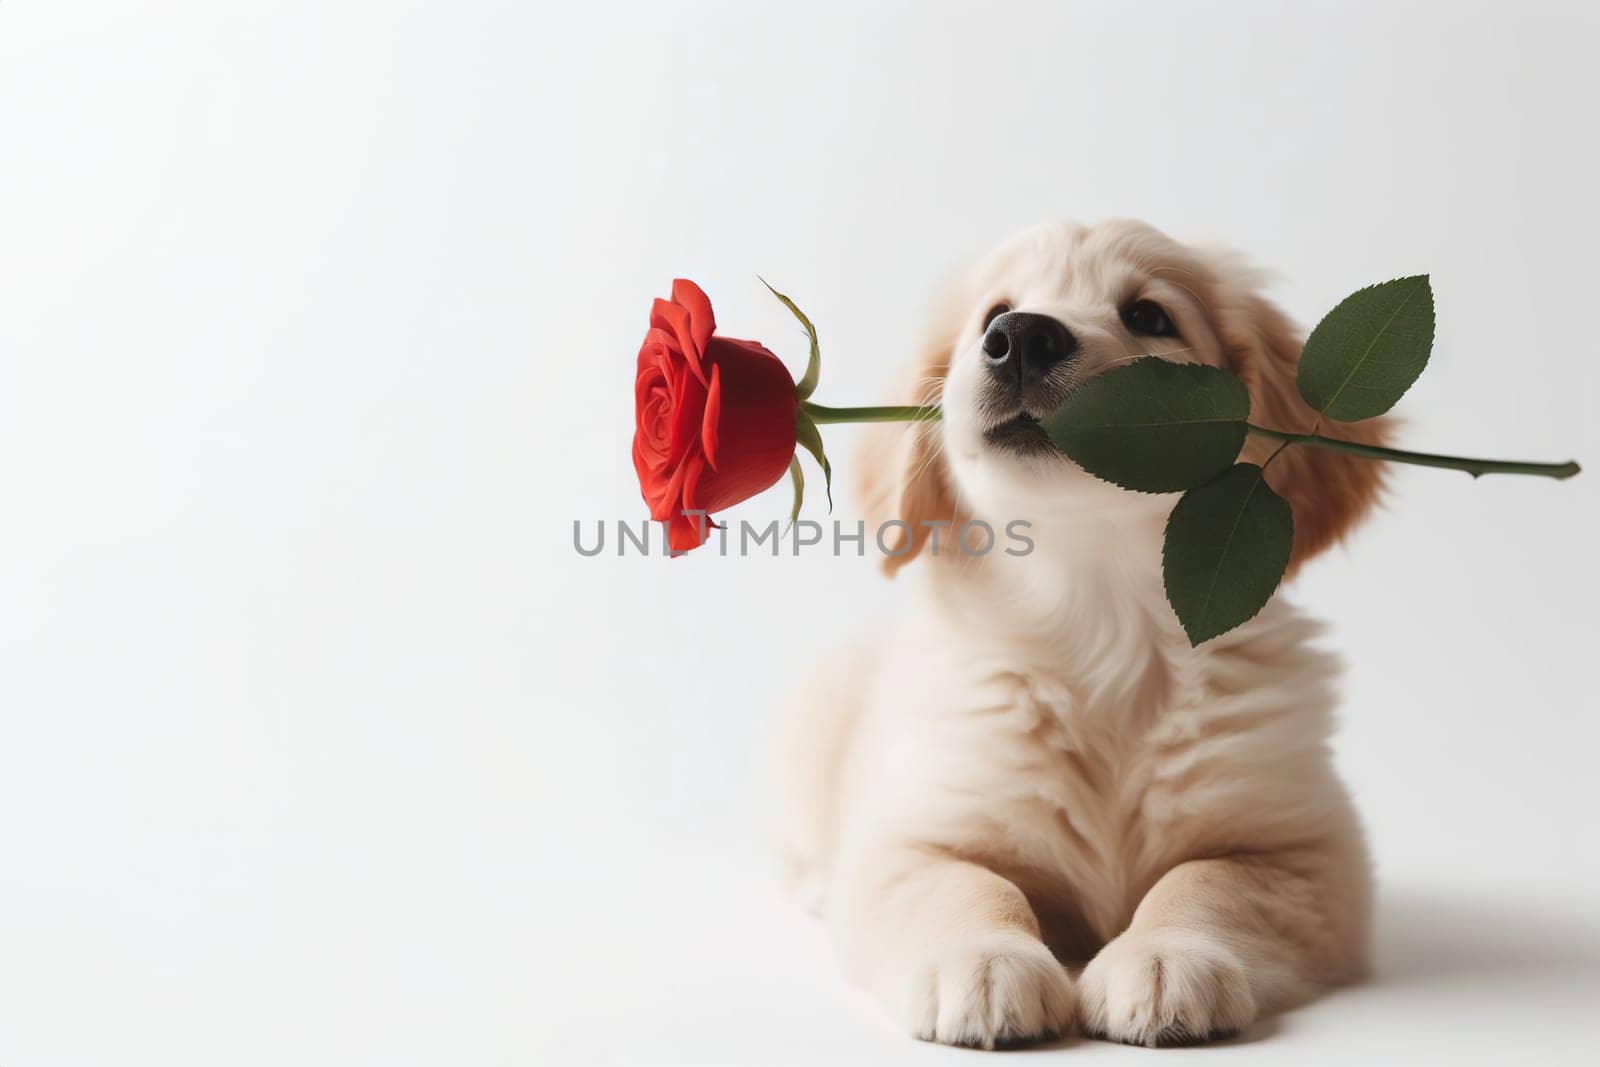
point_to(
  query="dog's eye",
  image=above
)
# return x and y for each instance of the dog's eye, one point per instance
(994, 313)
(1148, 317)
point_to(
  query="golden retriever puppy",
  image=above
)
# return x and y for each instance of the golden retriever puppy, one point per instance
(1031, 807)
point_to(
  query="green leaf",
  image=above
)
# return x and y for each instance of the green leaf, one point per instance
(797, 478)
(808, 382)
(1153, 425)
(807, 434)
(1366, 352)
(1227, 546)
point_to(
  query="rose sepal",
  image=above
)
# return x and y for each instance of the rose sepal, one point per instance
(806, 433)
(809, 437)
(808, 381)
(797, 478)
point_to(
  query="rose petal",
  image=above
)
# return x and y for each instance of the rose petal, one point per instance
(683, 534)
(670, 320)
(755, 429)
(684, 531)
(713, 414)
(692, 298)
(649, 479)
(671, 500)
(691, 484)
(688, 407)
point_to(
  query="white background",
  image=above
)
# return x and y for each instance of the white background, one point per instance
(318, 741)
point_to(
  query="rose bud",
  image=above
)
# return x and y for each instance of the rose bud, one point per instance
(715, 417)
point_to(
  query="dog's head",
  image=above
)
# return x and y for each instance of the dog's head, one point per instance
(1059, 304)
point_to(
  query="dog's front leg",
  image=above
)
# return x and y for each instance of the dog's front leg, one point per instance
(949, 947)
(1215, 943)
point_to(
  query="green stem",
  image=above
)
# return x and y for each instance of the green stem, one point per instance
(1474, 467)
(887, 413)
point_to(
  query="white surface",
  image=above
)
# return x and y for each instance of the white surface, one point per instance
(321, 745)
(1480, 974)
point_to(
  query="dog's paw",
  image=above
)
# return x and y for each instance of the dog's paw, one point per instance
(989, 990)
(1164, 989)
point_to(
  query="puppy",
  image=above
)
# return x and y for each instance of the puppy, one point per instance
(1031, 807)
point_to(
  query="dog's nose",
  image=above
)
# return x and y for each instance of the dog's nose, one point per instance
(1026, 346)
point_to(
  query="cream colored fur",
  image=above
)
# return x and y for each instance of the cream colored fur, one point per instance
(1032, 772)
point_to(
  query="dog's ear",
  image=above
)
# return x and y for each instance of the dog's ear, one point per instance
(901, 475)
(1328, 491)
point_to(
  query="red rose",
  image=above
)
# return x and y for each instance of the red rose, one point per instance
(715, 417)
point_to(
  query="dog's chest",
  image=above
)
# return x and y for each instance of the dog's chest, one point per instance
(1087, 770)
(1076, 785)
